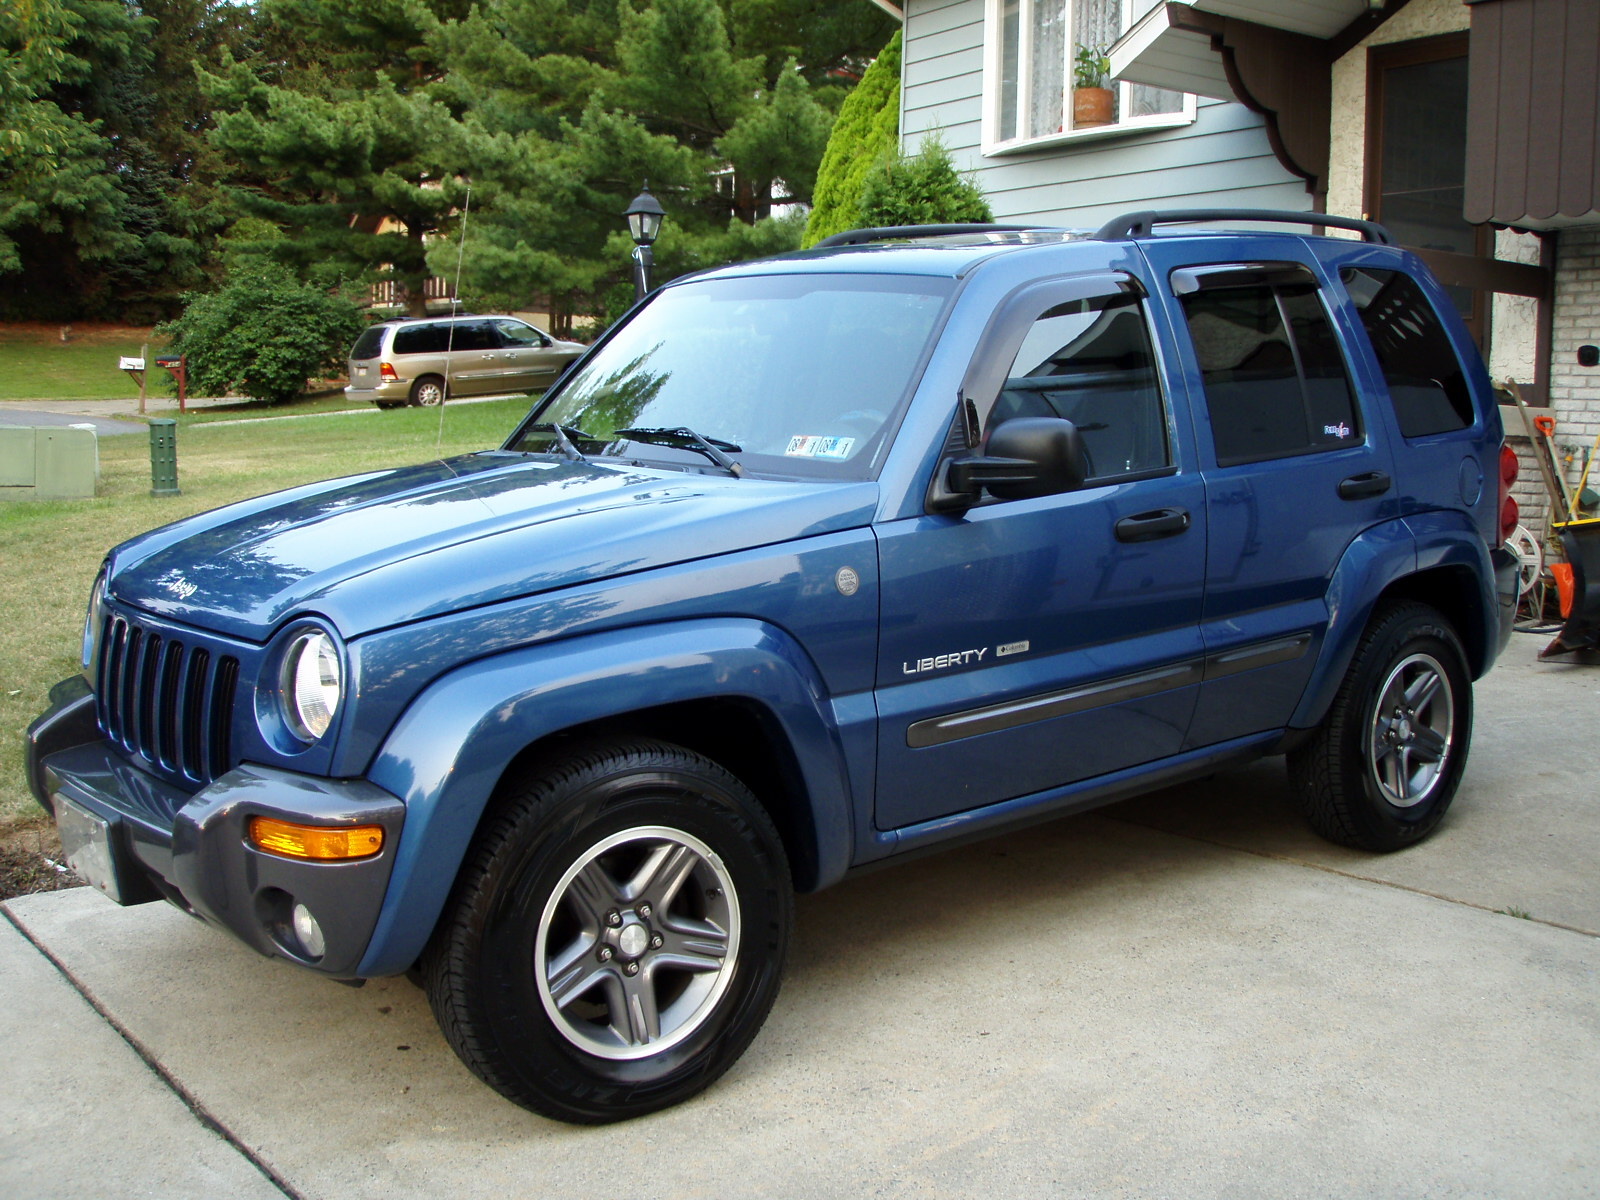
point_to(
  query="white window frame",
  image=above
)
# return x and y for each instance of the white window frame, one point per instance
(992, 143)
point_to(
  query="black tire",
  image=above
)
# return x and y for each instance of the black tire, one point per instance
(427, 391)
(630, 875)
(1381, 770)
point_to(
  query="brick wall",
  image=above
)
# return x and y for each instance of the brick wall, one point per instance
(1574, 390)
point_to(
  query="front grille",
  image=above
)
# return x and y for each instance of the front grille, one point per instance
(165, 700)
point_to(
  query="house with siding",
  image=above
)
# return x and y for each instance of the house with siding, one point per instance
(1471, 128)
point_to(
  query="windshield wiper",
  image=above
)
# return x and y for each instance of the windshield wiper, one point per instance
(563, 439)
(684, 438)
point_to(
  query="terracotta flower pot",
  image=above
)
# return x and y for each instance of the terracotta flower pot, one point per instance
(1091, 107)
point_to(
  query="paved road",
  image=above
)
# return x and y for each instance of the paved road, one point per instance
(102, 414)
(102, 426)
(1182, 996)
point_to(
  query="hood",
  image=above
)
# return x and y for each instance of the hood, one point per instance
(395, 546)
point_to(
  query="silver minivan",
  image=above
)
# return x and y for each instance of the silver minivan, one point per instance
(425, 360)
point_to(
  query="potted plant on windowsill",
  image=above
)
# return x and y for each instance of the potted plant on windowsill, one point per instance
(1093, 102)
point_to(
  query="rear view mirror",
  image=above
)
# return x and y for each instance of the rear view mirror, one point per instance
(1025, 458)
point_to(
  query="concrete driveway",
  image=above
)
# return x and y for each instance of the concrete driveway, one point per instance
(1182, 996)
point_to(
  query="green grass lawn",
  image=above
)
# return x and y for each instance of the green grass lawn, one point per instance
(35, 364)
(50, 551)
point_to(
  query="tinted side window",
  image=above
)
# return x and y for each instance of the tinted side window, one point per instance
(1276, 384)
(420, 339)
(1426, 383)
(475, 335)
(1090, 361)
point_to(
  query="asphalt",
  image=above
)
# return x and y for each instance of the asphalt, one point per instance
(1186, 995)
(113, 417)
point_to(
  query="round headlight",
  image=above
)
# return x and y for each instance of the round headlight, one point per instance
(313, 683)
(94, 621)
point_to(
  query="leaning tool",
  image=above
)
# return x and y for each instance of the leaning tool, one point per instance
(1580, 540)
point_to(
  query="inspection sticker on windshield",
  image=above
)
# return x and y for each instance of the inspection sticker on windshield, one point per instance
(801, 446)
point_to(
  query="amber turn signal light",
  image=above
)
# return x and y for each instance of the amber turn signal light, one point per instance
(315, 841)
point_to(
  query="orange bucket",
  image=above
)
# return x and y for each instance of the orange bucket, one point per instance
(1563, 576)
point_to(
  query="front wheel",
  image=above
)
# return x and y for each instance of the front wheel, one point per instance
(618, 937)
(1383, 767)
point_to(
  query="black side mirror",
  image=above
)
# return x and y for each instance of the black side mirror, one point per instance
(1026, 457)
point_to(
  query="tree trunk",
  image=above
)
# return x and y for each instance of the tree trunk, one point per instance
(415, 282)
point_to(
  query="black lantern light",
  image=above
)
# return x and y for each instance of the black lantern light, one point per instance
(644, 224)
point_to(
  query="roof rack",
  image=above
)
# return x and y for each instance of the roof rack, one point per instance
(1142, 224)
(857, 237)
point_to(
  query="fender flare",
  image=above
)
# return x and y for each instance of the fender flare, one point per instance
(1379, 557)
(1380, 562)
(447, 752)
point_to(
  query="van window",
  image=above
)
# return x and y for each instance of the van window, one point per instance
(369, 343)
(515, 333)
(475, 335)
(421, 339)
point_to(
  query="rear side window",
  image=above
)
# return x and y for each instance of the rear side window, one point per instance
(368, 344)
(1090, 361)
(421, 339)
(1426, 383)
(1276, 384)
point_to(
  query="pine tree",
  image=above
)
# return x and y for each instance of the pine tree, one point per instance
(924, 189)
(722, 134)
(337, 139)
(867, 131)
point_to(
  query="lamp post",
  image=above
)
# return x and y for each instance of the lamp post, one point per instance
(644, 223)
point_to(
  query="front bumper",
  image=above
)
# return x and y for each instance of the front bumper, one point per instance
(138, 839)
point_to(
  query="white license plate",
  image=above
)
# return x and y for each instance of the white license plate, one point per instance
(86, 844)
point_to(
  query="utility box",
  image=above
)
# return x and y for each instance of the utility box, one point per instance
(47, 462)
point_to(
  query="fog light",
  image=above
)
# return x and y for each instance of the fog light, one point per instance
(309, 932)
(315, 841)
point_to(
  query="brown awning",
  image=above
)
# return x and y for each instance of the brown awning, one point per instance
(1533, 113)
(1275, 58)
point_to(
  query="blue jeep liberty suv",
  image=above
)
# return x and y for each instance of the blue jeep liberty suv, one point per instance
(916, 535)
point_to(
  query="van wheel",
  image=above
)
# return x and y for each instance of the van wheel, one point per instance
(616, 937)
(428, 390)
(1383, 767)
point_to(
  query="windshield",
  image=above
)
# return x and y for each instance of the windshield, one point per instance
(792, 376)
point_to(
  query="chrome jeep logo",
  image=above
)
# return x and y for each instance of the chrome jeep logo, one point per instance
(180, 587)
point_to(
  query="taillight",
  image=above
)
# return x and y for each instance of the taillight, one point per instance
(1509, 513)
(386, 371)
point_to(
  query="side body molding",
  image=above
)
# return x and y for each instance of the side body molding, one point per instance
(445, 755)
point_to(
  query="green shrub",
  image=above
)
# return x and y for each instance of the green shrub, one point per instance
(263, 335)
(925, 189)
(867, 129)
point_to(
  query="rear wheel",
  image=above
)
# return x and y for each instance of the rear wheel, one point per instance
(617, 938)
(428, 390)
(1382, 769)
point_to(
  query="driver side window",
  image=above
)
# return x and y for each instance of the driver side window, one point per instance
(1091, 362)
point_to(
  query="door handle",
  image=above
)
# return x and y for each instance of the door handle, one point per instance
(1148, 526)
(1360, 487)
